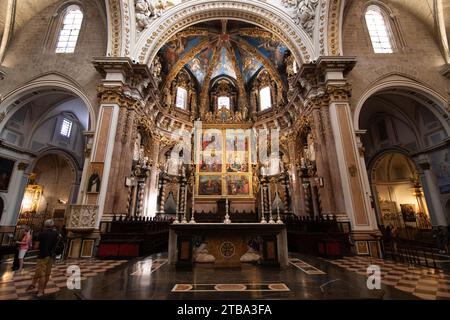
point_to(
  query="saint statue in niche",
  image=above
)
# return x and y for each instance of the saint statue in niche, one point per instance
(94, 183)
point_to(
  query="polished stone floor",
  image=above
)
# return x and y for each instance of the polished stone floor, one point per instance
(154, 278)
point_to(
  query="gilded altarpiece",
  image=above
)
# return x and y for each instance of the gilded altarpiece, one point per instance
(224, 164)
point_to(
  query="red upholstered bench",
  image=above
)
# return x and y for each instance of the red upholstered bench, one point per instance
(119, 249)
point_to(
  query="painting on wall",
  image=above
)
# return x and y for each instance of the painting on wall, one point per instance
(199, 64)
(272, 50)
(237, 162)
(408, 212)
(248, 64)
(6, 170)
(212, 163)
(441, 167)
(225, 66)
(238, 185)
(31, 198)
(237, 140)
(212, 141)
(210, 186)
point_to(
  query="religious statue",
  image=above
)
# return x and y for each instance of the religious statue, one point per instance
(252, 254)
(148, 10)
(201, 254)
(305, 12)
(167, 97)
(156, 70)
(94, 183)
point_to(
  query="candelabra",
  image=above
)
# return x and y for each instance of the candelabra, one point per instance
(277, 197)
(263, 217)
(193, 204)
(227, 216)
(271, 221)
(185, 199)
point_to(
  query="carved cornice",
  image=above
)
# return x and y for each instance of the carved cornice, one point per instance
(342, 64)
(339, 93)
(16, 149)
(125, 83)
(116, 95)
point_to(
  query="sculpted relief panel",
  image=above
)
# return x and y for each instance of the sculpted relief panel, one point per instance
(303, 12)
(149, 10)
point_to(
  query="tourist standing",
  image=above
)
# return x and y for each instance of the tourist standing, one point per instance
(24, 246)
(47, 244)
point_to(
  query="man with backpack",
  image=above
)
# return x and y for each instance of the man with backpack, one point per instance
(48, 240)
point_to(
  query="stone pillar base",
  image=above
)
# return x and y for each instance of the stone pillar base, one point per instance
(82, 245)
(367, 243)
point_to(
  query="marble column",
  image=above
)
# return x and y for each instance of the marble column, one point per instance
(163, 195)
(432, 195)
(102, 154)
(13, 198)
(298, 205)
(152, 195)
(323, 164)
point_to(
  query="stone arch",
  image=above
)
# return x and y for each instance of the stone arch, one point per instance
(74, 164)
(114, 22)
(374, 161)
(8, 106)
(439, 106)
(259, 13)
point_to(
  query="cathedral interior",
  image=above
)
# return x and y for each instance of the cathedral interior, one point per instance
(177, 139)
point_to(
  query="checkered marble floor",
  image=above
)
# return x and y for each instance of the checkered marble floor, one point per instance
(425, 283)
(13, 285)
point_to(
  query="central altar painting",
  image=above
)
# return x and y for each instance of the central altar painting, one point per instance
(224, 168)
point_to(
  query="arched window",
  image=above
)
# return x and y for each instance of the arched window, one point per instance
(265, 99)
(379, 32)
(70, 29)
(223, 102)
(181, 100)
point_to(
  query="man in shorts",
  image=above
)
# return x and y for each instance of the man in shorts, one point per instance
(47, 240)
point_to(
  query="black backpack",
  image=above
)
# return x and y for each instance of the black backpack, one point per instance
(59, 247)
